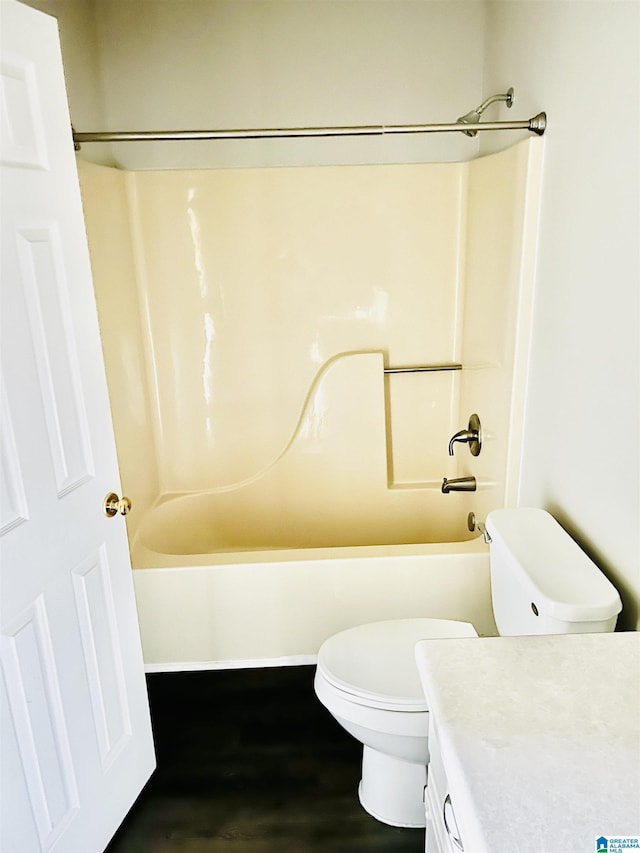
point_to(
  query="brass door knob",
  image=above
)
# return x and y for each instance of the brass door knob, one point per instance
(114, 505)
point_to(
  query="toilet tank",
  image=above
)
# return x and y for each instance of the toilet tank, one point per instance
(541, 581)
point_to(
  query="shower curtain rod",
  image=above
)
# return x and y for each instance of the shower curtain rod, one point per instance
(536, 125)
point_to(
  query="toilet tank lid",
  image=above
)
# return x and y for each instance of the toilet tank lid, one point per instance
(567, 582)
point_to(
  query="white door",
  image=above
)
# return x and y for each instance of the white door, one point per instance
(76, 737)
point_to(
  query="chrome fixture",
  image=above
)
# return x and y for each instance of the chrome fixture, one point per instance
(461, 484)
(455, 838)
(471, 122)
(471, 436)
(424, 368)
(473, 117)
(472, 524)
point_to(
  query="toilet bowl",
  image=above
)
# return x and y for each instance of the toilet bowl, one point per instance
(367, 679)
(541, 583)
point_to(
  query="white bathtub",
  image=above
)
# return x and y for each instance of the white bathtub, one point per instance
(267, 605)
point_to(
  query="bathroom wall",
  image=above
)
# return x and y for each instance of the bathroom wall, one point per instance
(254, 310)
(502, 205)
(184, 64)
(110, 235)
(581, 62)
(243, 310)
(281, 49)
(254, 280)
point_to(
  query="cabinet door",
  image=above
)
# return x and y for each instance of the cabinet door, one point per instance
(442, 834)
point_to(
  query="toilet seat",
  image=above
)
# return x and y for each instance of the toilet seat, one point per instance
(373, 664)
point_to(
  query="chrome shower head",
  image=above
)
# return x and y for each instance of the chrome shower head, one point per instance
(473, 117)
(470, 118)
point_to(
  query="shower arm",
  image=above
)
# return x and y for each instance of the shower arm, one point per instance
(472, 125)
(473, 117)
(492, 99)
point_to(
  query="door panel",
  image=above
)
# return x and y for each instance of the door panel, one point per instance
(41, 266)
(76, 732)
(22, 134)
(40, 725)
(13, 501)
(102, 654)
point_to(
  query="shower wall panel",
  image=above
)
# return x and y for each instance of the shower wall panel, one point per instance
(252, 281)
(109, 232)
(247, 316)
(502, 221)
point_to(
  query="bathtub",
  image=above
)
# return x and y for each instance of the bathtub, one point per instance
(253, 593)
(266, 398)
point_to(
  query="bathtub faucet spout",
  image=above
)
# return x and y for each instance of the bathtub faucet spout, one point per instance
(462, 484)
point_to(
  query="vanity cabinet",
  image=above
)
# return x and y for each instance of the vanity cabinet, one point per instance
(442, 831)
(534, 742)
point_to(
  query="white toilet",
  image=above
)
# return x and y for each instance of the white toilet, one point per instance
(541, 583)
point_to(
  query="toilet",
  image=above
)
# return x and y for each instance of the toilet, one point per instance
(366, 677)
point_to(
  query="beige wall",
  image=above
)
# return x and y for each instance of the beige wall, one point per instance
(332, 62)
(254, 280)
(185, 64)
(499, 265)
(247, 316)
(580, 62)
(111, 240)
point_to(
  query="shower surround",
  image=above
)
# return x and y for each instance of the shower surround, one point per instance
(248, 317)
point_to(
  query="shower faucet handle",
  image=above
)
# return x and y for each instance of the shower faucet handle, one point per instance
(471, 436)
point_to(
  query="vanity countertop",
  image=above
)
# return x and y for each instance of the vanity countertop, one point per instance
(540, 738)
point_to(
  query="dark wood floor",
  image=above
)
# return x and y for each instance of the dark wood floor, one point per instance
(248, 760)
